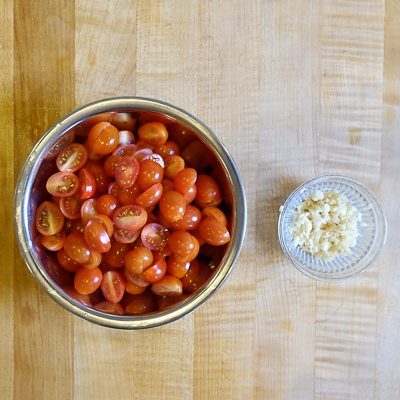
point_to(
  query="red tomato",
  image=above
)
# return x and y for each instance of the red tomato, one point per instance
(140, 154)
(113, 286)
(95, 260)
(143, 145)
(125, 121)
(107, 205)
(167, 149)
(95, 119)
(168, 286)
(130, 218)
(109, 308)
(125, 150)
(115, 257)
(76, 247)
(173, 164)
(156, 158)
(164, 222)
(207, 189)
(126, 137)
(96, 236)
(71, 206)
(214, 203)
(124, 236)
(53, 242)
(167, 184)
(155, 272)
(126, 171)
(88, 210)
(62, 184)
(74, 294)
(91, 154)
(139, 259)
(184, 180)
(151, 196)
(190, 195)
(129, 195)
(133, 289)
(86, 281)
(77, 227)
(153, 133)
(159, 254)
(67, 262)
(56, 200)
(141, 304)
(111, 164)
(204, 273)
(172, 205)
(190, 256)
(113, 189)
(136, 279)
(181, 243)
(60, 145)
(191, 219)
(49, 218)
(72, 158)
(151, 218)
(176, 268)
(106, 222)
(87, 184)
(195, 233)
(150, 173)
(191, 274)
(216, 213)
(100, 176)
(103, 138)
(155, 236)
(214, 232)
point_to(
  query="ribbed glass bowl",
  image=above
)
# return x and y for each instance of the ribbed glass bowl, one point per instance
(369, 244)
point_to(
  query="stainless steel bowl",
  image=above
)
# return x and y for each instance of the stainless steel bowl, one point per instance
(30, 192)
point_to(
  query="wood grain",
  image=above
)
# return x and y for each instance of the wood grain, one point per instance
(43, 92)
(295, 89)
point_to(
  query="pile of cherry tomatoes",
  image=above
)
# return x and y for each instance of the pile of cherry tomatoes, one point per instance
(127, 216)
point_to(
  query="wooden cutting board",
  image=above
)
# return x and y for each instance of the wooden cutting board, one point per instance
(295, 89)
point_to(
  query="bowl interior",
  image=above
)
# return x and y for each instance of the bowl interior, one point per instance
(199, 151)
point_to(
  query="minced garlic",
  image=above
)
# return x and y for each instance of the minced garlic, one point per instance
(324, 225)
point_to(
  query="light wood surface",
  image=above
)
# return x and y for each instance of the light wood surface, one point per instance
(295, 89)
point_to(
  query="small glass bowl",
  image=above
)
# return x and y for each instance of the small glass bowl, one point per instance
(369, 244)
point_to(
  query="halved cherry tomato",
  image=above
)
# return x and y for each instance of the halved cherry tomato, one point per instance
(167, 184)
(109, 308)
(88, 210)
(216, 213)
(156, 158)
(150, 173)
(140, 154)
(190, 256)
(155, 272)
(106, 222)
(54, 242)
(107, 205)
(127, 171)
(86, 281)
(163, 221)
(191, 219)
(207, 189)
(184, 180)
(172, 205)
(181, 243)
(71, 206)
(214, 232)
(125, 150)
(62, 184)
(103, 138)
(113, 189)
(152, 218)
(96, 236)
(130, 218)
(91, 154)
(74, 294)
(204, 272)
(173, 164)
(88, 123)
(100, 176)
(151, 196)
(176, 268)
(115, 257)
(87, 184)
(141, 304)
(125, 121)
(195, 233)
(190, 195)
(76, 247)
(191, 274)
(155, 236)
(129, 195)
(60, 145)
(153, 133)
(77, 227)
(168, 286)
(113, 286)
(143, 145)
(95, 260)
(125, 236)
(169, 148)
(139, 259)
(133, 289)
(159, 254)
(72, 158)
(126, 137)
(136, 279)
(67, 262)
(111, 164)
(49, 218)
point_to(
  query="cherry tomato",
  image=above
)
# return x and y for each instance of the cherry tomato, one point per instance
(155, 272)
(130, 218)
(167, 184)
(138, 259)
(181, 135)
(96, 236)
(91, 154)
(107, 205)
(49, 218)
(164, 222)
(88, 210)
(191, 219)
(87, 184)
(207, 189)
(143, 145)
(71, 206)
(86, 281)
(77, 227)
(189, 256)
(150, 173)
(76, 247)
(115, 257)
(214, 203)
(155, 236)
(126, 171)
(190, 195)
(111, 164)
(191, 274)
(152, 218)
(109, 308)
(60, 145)
(113, 189)
(214, 232)
(67, 262)
(159, 254)
(106, 222)
(56, 200)
(125, 121)
(197, 155)
(133, 289)
(184, 180)
(176, 268)
(204, 273)
(156, 158)
(90, 122)
(54, 242)
(173, 164)
(100, 176)
(216, 213)
(62, 184)
(181, 243)
(129, 195)
(140, 154)
(126, 137)
(74, 294)
(195, 233)
(113, 286)
(153, 133)
(103, 138)
(136, 279)
(151, 196)
(172, 205)
(125, 150)
(168, 286)
(72, 158)
(169, 148)
(125, 236)
(95, 260)
(141, 304)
